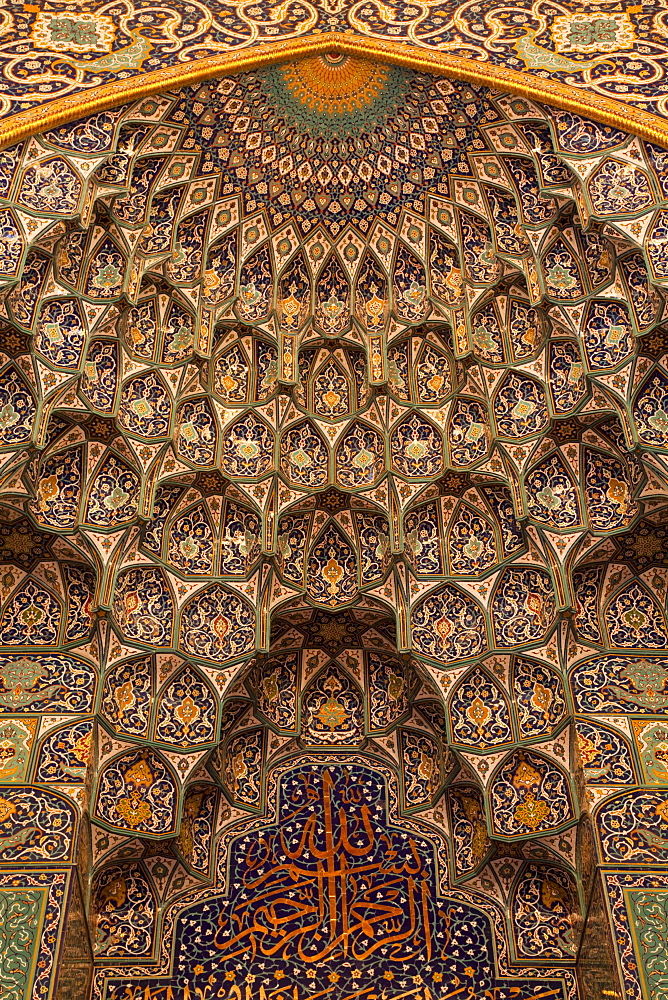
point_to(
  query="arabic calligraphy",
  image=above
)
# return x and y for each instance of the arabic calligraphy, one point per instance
(328, 884)
(208, 993)
(332, 900)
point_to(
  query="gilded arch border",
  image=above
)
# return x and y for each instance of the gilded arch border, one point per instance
(606, 110)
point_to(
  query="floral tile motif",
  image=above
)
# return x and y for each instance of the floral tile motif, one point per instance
(567, 46)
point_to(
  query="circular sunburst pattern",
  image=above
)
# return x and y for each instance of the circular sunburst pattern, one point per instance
(336, 86)
(334, 96)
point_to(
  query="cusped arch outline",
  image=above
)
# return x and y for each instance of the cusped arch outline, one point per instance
(479, 713)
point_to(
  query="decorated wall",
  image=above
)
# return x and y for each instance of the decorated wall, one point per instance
(333, 563)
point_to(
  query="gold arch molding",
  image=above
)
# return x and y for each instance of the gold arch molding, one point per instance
(606, 110)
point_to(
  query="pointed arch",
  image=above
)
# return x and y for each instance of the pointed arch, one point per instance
(469, 432)
(276, 685)
(127, 696)
(448, 625)
(416, 447)
(256, 291)
(423, 539)
(332, 298)
(373, 531)
(216, 624)
(471, 542)
(247, 448)
(634, 619)
(608, 337)
(13, 244)
(61, 333)
(187, 711)
(80, 588)
(32, 616)
(539, 697)
(526, 328)
(242, 771)
(331, 389)
(529, 794)
(113, 495)
(240, 538)
(371, 294)
(360, 456)
(292, 541)
(196, 432)
(143, 605)
(98, 383)
(221, 270)
(445, 273)
(409, 286)
(185, 264)
(145, 406)
(552, 494)
(140, 326)
(58, 489)
(520, 406)
(195, 841)
(304, 456)
(479, 712)
(138, 793)
(125, 909)
(643, 298)
(178, 334)
(486, 336)
(105, 276)
(545, 913)
(567, 382)
(563, 278)
(509, 234)
(523, 607)
(18, 409)
(190, 541)
(231, 374)
(608, 491)
(472, 844)
(433, 373)
(332, 571)
(480, 263)
(294, 294)
(332, 709)
(422, 771)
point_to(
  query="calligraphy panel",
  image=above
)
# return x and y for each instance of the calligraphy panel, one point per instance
(332, 897)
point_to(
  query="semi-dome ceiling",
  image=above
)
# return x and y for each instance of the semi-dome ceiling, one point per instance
(336, 331)
(337, 322)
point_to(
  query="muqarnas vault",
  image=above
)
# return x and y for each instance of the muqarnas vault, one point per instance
(334, 415)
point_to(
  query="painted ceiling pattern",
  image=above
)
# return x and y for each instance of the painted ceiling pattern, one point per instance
(355, 364)
(607, 49)
(333, 564)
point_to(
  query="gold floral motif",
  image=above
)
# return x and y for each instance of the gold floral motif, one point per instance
(532, 812)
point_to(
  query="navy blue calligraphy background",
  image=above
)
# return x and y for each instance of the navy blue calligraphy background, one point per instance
(333, 901)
